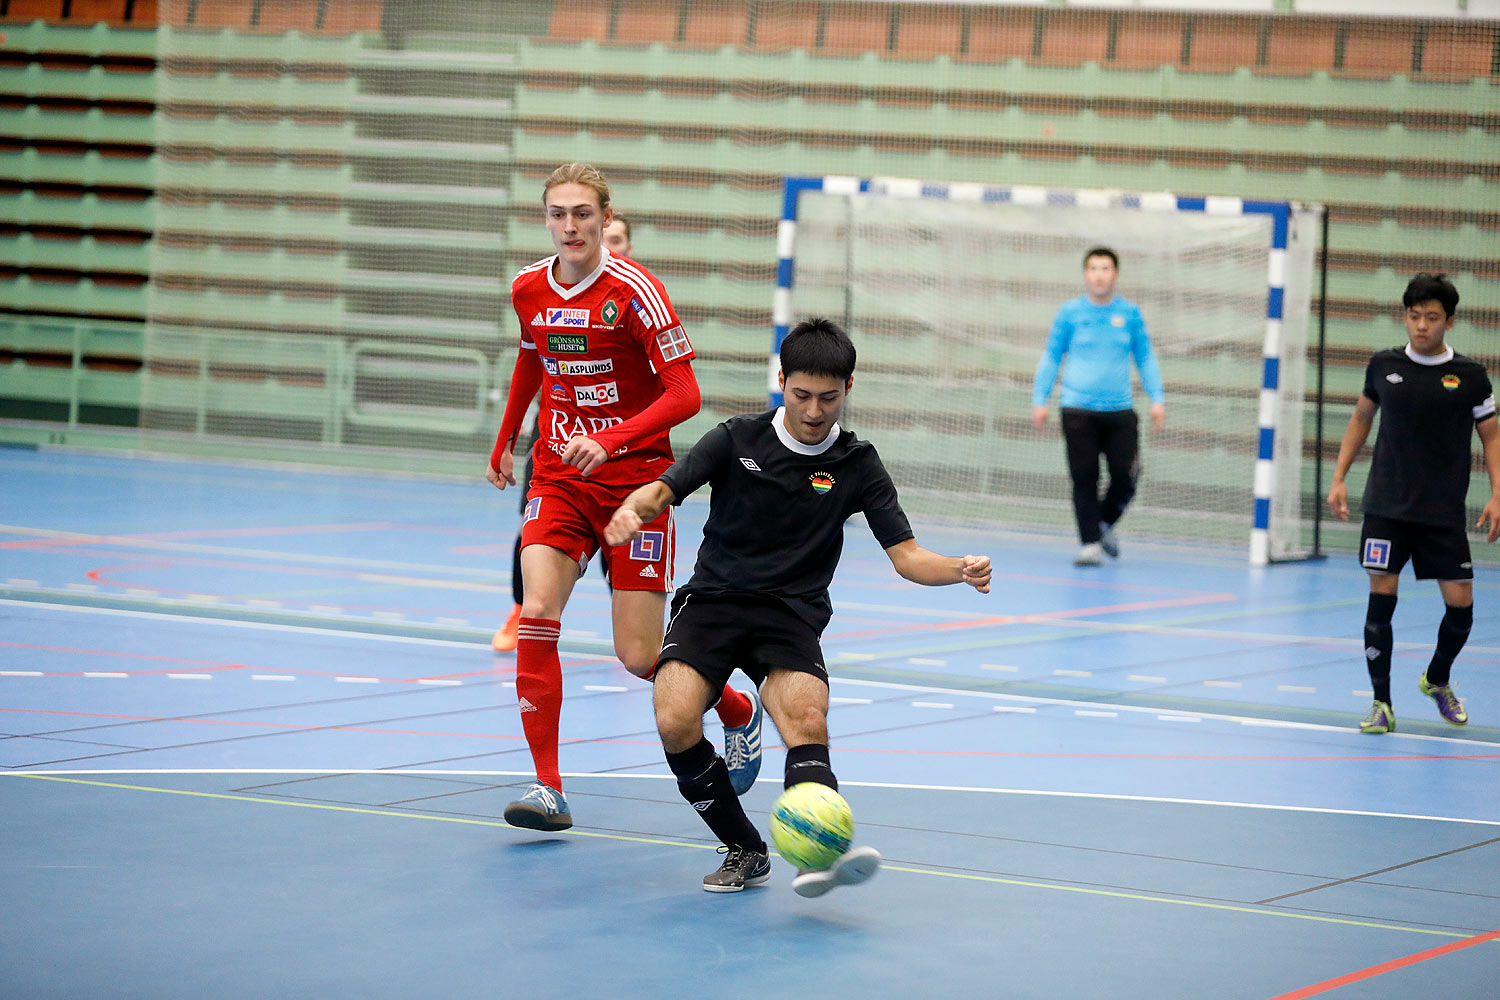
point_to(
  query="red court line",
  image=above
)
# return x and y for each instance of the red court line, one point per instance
(298, 727)
(1391, 966)
(163, 536)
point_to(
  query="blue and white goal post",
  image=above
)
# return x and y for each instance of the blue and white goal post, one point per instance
(949, 290)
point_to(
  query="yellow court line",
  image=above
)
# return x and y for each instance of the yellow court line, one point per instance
(355, 809)
(1166, 899)
(965, 876)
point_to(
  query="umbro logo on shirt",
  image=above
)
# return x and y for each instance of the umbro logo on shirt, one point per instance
(749, 463)
(1394, 377)
(649, 573)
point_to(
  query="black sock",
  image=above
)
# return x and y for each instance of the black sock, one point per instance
(1453, 632)
(703, 779)
(516, 591)
(1378, 643)
(809, 762)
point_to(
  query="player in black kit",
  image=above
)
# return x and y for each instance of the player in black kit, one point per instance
(1429, 397)
(783, 484)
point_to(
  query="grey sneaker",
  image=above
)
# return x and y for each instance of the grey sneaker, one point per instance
(742, 748)
(1091, 554)
(1108, 540)
(541, 808)
(1380, 720)
(856, 865)
(742, 868)
(1449, 707)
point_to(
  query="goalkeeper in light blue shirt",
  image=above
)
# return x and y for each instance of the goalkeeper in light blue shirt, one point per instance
(1099, 334)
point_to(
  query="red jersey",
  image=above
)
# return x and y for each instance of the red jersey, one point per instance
(602, 345)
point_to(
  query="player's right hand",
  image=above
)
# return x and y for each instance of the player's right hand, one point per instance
(977, 573)
(1039, 416)
(1338, 500)
(622, 526)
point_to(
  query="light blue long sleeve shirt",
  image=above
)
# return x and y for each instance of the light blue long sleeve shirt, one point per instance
(1099, 343)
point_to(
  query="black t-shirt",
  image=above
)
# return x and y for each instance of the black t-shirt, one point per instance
(1420, 471)
(776, 517)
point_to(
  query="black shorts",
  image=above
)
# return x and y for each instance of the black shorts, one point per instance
(717, 633)
(1436, 552)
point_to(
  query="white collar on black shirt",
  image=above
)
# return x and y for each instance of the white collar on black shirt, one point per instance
(1430, 359)
(779, 421)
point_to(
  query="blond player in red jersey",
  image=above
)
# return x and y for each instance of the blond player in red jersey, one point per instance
(600, 339)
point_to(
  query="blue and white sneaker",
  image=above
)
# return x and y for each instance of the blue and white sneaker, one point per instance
(856, 865)
(742, 748)
(541, 808)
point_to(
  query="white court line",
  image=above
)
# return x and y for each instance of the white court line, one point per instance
(905, 786)
(357, 680)
(1296, 689)
(1146, 679)
(923, 661)
(849, 701)
(190, 677)
(21, 673)
(1001, 667)
(104, 673)
(1178, 718)
(1073, 703)
(932, 704)
(272, 677)
(612, 689)
(1233, 685)
(439, 681)
(1072, 673)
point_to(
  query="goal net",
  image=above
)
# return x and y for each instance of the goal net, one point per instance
(949, 291)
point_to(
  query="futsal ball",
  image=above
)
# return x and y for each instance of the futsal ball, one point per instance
(811, 825)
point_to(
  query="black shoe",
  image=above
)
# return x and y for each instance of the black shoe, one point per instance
(743, 866)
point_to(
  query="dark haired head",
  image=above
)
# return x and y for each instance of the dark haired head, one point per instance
(817, 346)
(1431, 288)
(1102, 252)
(624, 222)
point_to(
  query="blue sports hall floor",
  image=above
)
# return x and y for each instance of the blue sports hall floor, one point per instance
(254, 743)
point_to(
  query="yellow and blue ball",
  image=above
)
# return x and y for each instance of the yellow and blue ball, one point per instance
(811, 825)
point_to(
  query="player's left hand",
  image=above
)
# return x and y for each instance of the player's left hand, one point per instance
(977, 573)
(1158, 417)
(585, 453)
(1491, 513)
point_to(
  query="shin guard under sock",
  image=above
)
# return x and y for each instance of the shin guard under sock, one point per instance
(539, 693)
(1378, 642)
(703, 780)
(1453, 632)
(809, 762)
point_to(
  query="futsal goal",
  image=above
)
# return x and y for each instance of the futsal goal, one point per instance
(949, 290)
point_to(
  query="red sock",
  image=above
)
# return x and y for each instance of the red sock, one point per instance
(733, 708)
(539, 693)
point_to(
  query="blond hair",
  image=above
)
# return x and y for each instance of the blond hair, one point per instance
(578, 173)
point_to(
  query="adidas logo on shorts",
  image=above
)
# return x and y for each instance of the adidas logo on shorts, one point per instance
(649, 572)
(527, 706)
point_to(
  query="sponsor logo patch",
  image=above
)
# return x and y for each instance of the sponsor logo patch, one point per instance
(1394, 378)
(822, 482)
(640, 310)
(648, 573)
(533, 509)
(559, 316)
(1450, 382)
(559, 392)
(1117, 321)
(749, 463)
(610, 312)
(673, 343)
(1377, 553)
(647, 546)
(603, 394)
(526, 706)
(550, 366)
(568, 343)
(585, 366)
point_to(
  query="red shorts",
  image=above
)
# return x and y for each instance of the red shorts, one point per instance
(571, 517)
